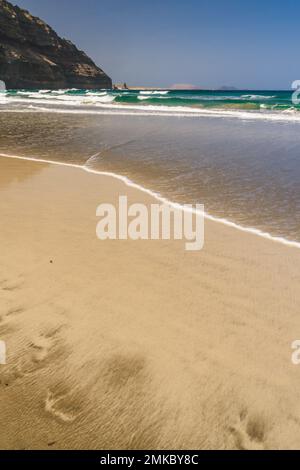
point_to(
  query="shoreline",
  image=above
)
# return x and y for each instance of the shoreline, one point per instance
(161, 199)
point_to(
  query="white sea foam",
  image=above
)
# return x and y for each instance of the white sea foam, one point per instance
(97, 93)
(105, 99)
(257, 97)
(59, 92)
(3, 99)
(151, 110)
(64, 100)
(157, 196)
(290, 110)
(154, 92)
(94, 102)
(147, 97)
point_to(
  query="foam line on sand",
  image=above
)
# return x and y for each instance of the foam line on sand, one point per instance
(161, 199)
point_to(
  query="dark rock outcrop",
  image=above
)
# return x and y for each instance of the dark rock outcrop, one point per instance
(32, 55)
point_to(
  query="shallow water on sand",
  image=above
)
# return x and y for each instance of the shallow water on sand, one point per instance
(246, 171)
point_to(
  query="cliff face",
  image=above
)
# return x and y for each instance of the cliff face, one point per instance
(32, 55)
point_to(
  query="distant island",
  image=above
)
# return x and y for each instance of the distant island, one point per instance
(32, 55)
(228, 88)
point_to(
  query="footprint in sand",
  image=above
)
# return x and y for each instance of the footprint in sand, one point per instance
(5, 319)
(249, 432)
(32, 360)
(7, 378)
(9, 286)
(40, 348)
(57, 406)
(10, 313)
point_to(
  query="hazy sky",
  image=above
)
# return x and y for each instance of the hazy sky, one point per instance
(209, 43)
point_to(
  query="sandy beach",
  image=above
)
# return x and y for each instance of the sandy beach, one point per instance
(139, 344)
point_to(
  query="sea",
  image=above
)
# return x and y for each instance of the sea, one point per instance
(236, 152)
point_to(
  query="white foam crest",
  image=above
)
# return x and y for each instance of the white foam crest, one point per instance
(144, 97)
(290, 110)
(51, 93)
(65, 100)
(3, 99)
(158, 197)
(86, 99)
(147, 97)
(105, 99)
(63, 96)
(64, 90)
(39, 95)
(257, 97)
(59, 92)
(154, 92)
(96, 93)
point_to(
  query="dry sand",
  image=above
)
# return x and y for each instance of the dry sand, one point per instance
(124, 344)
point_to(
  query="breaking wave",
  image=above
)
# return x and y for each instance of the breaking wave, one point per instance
(243, 105)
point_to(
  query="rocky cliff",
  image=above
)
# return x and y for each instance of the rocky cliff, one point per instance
(32, 55)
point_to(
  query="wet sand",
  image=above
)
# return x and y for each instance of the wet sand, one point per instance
(126, 344)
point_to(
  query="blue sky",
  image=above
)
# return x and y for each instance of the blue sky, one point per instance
(248, 44)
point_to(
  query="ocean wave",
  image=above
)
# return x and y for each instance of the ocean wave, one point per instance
(257, 97)
(153, 102)
(144, 97)
(154, 92)
(173, 100)
(96, 93)
(62, 98)
(60, 92)
(291, 110)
